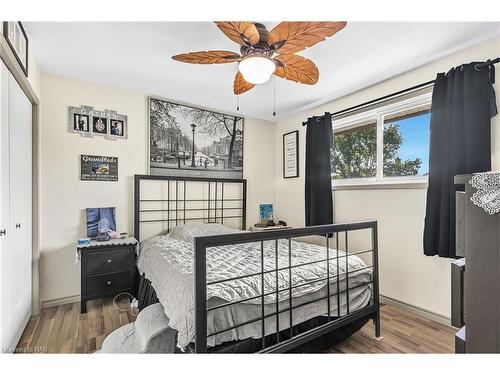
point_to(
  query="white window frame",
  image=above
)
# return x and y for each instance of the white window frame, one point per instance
(377, 115)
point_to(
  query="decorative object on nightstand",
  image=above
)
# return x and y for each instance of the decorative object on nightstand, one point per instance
(268, 228)
(271, 225)
(107, 269)
(103, 226)
(265, 213)
(94, 216)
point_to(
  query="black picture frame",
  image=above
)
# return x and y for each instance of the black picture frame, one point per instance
(116, 128)
(296, 133)
(23, 64)
(171, 146)
(99, 121)
(81, 123)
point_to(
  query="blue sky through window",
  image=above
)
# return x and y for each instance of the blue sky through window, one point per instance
(415, 132)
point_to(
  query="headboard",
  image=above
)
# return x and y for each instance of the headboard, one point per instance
(162, 202)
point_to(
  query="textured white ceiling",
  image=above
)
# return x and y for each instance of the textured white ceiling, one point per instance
(136, 56)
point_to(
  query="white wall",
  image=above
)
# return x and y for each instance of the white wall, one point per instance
(64, 196)
(259, 165)
(405, 273)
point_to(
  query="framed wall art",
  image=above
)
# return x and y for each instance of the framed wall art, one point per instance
(291, 154)
(265, 213)
(89, 122)
(194, 142)
(18, 42)
(98, 168)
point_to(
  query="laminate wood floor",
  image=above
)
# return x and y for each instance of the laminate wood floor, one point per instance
(402, 332)
(63, 329)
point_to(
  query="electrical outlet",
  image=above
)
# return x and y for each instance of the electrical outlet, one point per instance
(134, 303)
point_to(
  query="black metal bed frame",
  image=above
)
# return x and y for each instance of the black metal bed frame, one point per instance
(179, 186)
(335, 320)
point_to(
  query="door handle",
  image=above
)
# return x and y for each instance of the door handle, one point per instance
(3, 232)
(108, 261)
(109, 282)
(18, 225)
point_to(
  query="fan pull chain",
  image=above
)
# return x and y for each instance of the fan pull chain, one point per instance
(274, 101)
(237, 103)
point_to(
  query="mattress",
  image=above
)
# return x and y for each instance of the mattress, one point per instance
(167, 261)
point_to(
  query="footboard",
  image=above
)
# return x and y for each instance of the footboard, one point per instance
(332, 236)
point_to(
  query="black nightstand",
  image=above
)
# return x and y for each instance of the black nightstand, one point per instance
(108, 268)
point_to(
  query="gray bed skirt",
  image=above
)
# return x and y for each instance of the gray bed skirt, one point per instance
(146, 295)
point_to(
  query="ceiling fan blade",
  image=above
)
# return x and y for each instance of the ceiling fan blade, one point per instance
(208, 57)
(240, 85)
(242, 33)
(296, 68)
(291, 37)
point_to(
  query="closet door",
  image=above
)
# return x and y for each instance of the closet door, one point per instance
(20, 202)
(16, 255)
(5, 269)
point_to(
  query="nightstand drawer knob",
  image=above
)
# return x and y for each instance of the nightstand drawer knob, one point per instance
(108, 261)
(109, 282)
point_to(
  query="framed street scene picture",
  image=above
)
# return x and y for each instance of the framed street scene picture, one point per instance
(88, 122)
(98, 168)
(194, 142)
(18, 42)
(291, 154)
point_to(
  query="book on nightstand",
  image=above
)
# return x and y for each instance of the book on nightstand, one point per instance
(269, 228)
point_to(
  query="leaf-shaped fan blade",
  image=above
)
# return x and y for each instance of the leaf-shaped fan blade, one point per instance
(296, 68)
(208, 57)
(240, 85)
(240, 32)
(291, 37)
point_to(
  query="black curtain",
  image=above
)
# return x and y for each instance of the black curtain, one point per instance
(463, 102)
(318, 197)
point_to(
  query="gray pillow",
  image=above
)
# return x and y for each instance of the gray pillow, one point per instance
(187, 232)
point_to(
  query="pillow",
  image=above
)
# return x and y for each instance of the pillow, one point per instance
(187, 232)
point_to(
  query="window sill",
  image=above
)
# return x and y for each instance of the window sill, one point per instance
(418, 183)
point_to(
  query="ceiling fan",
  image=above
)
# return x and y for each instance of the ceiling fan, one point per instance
(266, 52)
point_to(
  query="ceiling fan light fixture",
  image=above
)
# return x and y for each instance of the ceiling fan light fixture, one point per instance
(256, 69)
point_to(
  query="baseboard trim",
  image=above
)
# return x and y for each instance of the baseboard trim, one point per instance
(417, 310)
(60, 301)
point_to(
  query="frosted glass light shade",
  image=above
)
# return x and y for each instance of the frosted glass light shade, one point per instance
(256, 69)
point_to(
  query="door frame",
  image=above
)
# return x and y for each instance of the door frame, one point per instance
(10, 61)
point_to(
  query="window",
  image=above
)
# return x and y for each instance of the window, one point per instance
(355, 152)
(383, 145)
(406, 143)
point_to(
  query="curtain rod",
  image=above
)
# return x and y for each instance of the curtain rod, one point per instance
(397, 93)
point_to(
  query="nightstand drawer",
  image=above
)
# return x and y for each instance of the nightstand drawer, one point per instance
(107, 261)
(104, 284)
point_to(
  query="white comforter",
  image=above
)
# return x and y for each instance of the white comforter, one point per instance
(168, 263)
